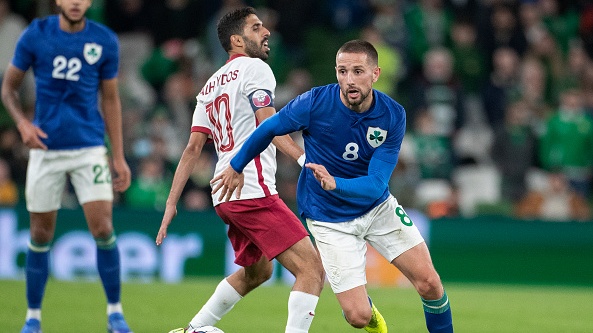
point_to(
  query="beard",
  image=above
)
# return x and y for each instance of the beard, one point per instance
(254, 50)
(355, 103)
(70, 20)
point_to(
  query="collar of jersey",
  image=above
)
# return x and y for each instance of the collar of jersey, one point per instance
(235, 56)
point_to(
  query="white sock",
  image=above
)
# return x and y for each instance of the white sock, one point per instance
(33, 314)
(301, 311)
(220, 303)
(114, 307)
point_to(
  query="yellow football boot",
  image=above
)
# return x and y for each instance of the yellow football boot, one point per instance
(377, 323)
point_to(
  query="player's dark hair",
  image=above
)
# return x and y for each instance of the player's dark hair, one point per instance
(361, 46)
(232, 23)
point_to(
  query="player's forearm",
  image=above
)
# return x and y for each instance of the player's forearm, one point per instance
(371, 186)
(112, 115)
(113, 126)
(13, 79)
(362, 187)
(186, 165)
(114, 131)
(11, 101)
(287, 146)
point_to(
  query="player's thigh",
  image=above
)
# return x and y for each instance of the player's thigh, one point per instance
(391, 231)
(90, 175)
(46, 179)
(343, 254)
(417, 266)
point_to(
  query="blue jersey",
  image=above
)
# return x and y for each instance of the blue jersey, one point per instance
(68, 68)
(344, 142)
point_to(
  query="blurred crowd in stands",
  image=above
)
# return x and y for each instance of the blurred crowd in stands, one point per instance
(498, 95)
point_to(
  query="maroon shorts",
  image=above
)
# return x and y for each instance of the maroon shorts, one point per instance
(260, 226)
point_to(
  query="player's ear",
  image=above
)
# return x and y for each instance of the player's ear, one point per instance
(237, 40)
(376, 73)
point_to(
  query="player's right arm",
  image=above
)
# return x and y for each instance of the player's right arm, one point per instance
(189, 158)
(30, 134)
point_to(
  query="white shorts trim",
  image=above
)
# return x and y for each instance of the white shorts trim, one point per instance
(48, 170)
(343, 245)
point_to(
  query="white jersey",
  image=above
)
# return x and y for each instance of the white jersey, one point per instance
(225, 110)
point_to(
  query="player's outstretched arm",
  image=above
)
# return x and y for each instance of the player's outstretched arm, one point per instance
(189, 158)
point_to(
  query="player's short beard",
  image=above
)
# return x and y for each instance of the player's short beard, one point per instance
(70, 21)
(355, 104)
(254, 50)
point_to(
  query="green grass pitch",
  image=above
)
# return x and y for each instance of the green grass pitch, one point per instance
(72, 307)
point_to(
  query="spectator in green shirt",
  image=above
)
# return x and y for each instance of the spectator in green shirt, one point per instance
(567, 143)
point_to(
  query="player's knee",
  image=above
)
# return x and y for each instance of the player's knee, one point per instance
(41, 236)
(430, 287)
(319, 274)
(104, 231)
(312, 271)
(262, 275)
(358, 318)
(266, 274)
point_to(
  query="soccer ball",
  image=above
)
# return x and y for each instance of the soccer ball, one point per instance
(203, 329)
(206, 329)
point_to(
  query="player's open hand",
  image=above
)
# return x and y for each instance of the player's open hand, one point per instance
(327, 181)
(228, 181)
(170, 213)
(32, 135)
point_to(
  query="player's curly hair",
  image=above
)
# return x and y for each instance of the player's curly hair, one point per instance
(361, 46)
(232, 23)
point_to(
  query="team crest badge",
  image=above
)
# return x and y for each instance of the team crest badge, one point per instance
(92, 52)
(376, 136)
(261, 99)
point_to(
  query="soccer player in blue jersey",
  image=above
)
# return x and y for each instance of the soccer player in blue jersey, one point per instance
(74, 60)
(352, 135)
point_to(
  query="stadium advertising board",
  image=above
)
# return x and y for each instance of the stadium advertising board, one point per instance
(194, 246)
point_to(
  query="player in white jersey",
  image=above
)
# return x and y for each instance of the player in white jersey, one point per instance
(230, 106)
(227, 101)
